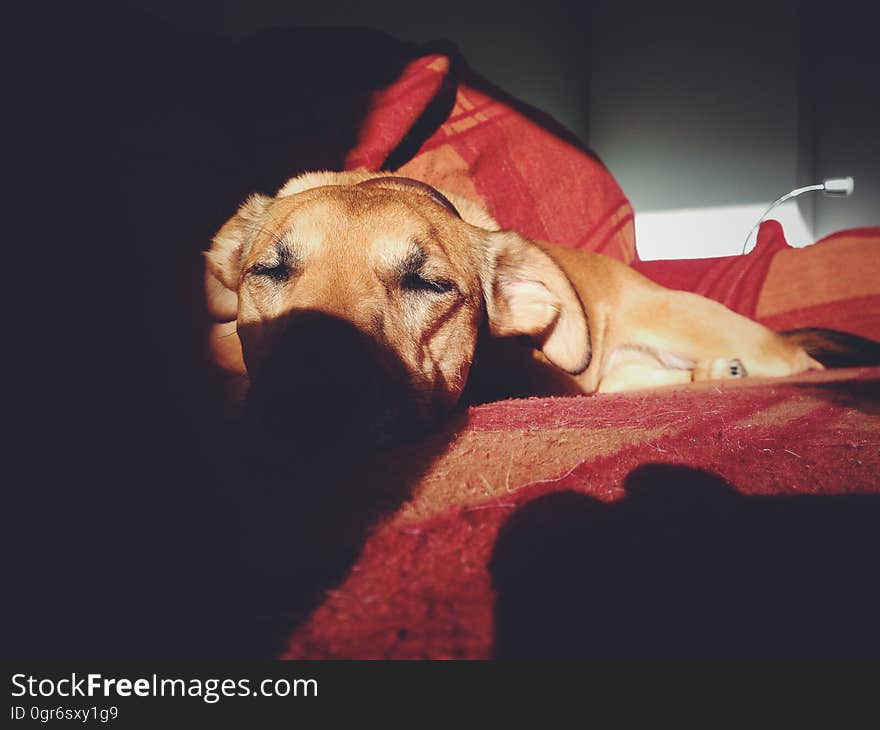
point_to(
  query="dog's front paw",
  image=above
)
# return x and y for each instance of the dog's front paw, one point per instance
(735, 369)
(719, 368)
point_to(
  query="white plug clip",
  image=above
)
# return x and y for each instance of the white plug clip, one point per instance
(838, 186)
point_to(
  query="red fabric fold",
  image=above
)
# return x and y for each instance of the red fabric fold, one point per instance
(735, 281)
(527, 171)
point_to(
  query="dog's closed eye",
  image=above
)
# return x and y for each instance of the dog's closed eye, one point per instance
(276, 272)
(419, 283)
(414, 278)
(278, 267)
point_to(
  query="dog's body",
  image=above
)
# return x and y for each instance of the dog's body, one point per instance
(421, 276)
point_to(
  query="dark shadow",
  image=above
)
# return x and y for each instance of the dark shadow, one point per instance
(334, 444)
(835, 349)
(506, 368)
(145, 525)
(183, 533)
(685, 567)
(862, 395)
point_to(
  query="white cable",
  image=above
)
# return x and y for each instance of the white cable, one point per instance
(780, 201)
(836, 186)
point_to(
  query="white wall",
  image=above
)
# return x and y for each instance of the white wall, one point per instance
(707, 113)
(720, 230)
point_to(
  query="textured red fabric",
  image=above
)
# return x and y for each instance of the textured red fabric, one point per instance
(427, 583)
(859, 315)
(423, 587)
(527, 171)
(834, 283)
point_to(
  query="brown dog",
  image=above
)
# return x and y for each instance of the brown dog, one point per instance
(407, 279)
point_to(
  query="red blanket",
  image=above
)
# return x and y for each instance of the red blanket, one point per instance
(695, 521)
(525, 169)
(455, 562)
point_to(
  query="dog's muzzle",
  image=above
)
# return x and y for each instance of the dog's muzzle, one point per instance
(326, 386)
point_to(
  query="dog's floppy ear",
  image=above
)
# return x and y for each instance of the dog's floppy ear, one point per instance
(224, 259)
(527, 293)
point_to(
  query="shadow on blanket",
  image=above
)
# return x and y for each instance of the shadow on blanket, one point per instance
(144, 529)
(686, 567)
(333, 453)
(861, 395)
(301, 529)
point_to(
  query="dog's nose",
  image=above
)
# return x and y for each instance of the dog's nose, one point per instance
(320, 382)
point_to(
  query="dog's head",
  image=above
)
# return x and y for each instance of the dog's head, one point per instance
(359, 299)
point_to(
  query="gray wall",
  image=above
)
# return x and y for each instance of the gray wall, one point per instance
(706, 114)
(841, 52)
(696, 110)
(696, 107)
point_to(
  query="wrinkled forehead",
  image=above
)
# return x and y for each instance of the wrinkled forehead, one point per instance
(372, 224)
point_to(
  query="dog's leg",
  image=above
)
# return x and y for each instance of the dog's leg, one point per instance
(634, 375)
(723, 344)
